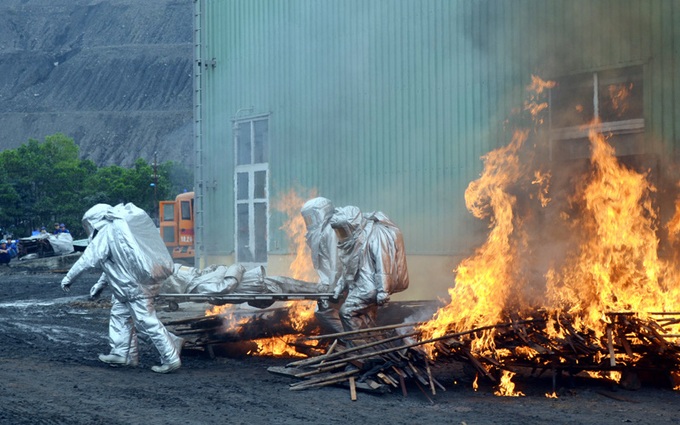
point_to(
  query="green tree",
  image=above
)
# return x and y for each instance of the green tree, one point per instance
(46, 182)
(8, 199)
(43, 177)
(140, 185)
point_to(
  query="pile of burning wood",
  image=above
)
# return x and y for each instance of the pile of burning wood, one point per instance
(240, 332)
(388, 358)
(630, 345)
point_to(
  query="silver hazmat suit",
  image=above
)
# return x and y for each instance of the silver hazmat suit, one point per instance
(126, 246)
(374, 265)
(322, 243)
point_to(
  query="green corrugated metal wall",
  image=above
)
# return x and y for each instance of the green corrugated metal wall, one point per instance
(389, 104)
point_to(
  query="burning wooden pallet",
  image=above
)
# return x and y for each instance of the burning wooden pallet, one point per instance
(236, 332)
(629, 344)
(292, 324)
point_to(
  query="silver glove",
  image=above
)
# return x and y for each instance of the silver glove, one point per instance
(66, 284)
(96, 290)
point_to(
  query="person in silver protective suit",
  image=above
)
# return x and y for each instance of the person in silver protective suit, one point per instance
(374, 264)
(323, 245)
(127, 247)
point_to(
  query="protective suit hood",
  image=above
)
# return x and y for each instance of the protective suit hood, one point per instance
(96, 218)
(349, 225)
(317, 211)
(347, 222)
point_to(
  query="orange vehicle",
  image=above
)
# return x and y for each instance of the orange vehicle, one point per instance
(177, 227)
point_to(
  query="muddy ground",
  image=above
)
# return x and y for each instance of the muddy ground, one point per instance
(49, 374)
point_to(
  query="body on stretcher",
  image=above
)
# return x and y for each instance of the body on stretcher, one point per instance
(219, 285)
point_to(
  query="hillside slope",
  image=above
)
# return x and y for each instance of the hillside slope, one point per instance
(115, 75)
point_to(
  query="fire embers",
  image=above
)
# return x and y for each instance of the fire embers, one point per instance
(237, 332)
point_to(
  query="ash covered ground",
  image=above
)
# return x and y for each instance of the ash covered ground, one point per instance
(49, 374)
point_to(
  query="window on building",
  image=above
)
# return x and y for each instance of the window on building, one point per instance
(613, 98)
(251, 194)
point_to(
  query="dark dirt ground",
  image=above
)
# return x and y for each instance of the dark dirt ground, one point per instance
(49, 374)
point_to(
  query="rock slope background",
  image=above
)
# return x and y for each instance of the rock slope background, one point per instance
(114, 75)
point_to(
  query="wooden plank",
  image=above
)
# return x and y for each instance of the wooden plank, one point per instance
(330, 350)
(324, 380)
(285, 371)
(352, 389)
(429, 376)
(402, 383)
(610, 347)
(365, 330)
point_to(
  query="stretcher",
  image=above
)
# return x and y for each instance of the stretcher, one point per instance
(256, 300)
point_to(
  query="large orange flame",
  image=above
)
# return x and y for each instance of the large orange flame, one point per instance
(484, 281)
(609, 262)
(616, 267)
(294, 226)
(300, 313)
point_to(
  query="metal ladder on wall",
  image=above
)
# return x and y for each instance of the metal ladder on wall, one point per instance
(199, 225)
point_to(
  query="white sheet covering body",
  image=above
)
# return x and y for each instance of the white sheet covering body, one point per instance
(234, 279)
